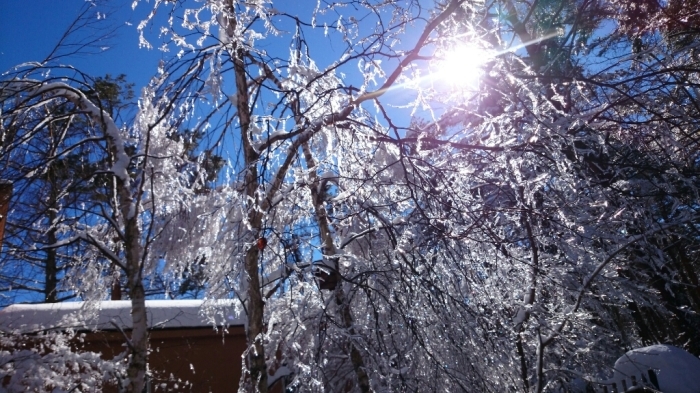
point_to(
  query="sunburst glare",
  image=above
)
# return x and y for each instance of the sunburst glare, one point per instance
(461, 65)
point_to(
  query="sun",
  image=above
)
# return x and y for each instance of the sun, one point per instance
(461, 65)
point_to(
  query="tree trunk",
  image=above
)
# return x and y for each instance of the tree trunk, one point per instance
(51, 267)
(330, 252)
(257, 366)
(5, 196)
(138, 343)
(136, 371)
(256, 307)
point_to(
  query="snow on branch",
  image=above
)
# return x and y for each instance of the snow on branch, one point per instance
(98, 115)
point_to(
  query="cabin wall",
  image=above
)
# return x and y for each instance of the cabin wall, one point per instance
(182, 360)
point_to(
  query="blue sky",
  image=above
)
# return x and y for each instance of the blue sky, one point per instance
(29, 29)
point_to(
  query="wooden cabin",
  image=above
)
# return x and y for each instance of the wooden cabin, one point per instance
(188, 353)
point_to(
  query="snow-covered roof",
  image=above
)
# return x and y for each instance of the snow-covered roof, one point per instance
(162, 314)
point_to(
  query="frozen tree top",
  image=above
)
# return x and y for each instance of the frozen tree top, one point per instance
(677, 371)
(162, 314)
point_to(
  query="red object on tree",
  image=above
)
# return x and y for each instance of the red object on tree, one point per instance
(262, 242)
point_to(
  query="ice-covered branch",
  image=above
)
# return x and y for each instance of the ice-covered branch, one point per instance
(571, 310)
